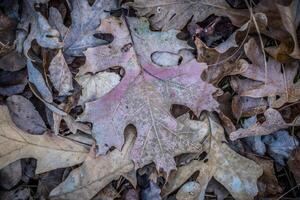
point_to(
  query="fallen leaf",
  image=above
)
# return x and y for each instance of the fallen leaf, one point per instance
(95, 86)
(189, 191)
(25, 116)
(170, 14)
(218, 189)
(108, 193)
(51, 152)
(49, 181)
(273, 123)
(20, 193)
(247, 106)
(293, 164)
(267, 183)
(12, 82)
(235, 172)
(34, 26)
(36, 77)
(85, 20)
(153, 91)
(11, 175)
(266, 82)
(95, 173)
(13, 61)
(60, 75)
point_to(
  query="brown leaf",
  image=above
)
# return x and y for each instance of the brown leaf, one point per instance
(51, 152)
(13, 61)
(171, 14)
(60, 75)
(294, 164)
(12, 82)
(95, 173)
(236, 173)
(11, 175)
(25, 116)
(267, 183)
(247, 106)
(266, 81)
(273, 122)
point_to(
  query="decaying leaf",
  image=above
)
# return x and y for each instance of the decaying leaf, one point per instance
(147, 101)
(236, 173)
(95, 173)
(11, 175)
(13, 82)
(36, 77)
(273, 123)
(172, 14)
(247, 106)
(266, 81)
(25, 116)
(34, 26)
(60, 75)
(13, 61)
(95, 86)
(267, 183)
(51, 152)
(85, 21)
(294, 163)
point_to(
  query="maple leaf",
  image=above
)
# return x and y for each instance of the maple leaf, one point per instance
(266, 82)
(236, 173)
(273, 122)
(51, 152)
(144, 100)
(171, 14)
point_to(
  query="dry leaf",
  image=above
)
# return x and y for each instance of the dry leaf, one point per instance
(273, 122)
(36, 77)
(95, 173)
(51, 152)
(171, 14)
(34, 25)
(152, 91)
(12, 82)
(25, 116)
(266, 82)
(95, 86)
(85, 20)
(294, 163)
(11, 175)
(60, 75)
(236, 173)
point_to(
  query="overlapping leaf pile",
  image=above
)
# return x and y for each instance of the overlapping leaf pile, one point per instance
(139, 97)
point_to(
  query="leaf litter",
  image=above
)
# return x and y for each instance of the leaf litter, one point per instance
(149, 100)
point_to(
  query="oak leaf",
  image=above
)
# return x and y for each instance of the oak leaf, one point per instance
(235, 172)
(95, 173)
(273, 123)
(266, 81)
(172, 14)
(85, 21)
(34, 25)
(144, 99)
(51, 152)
